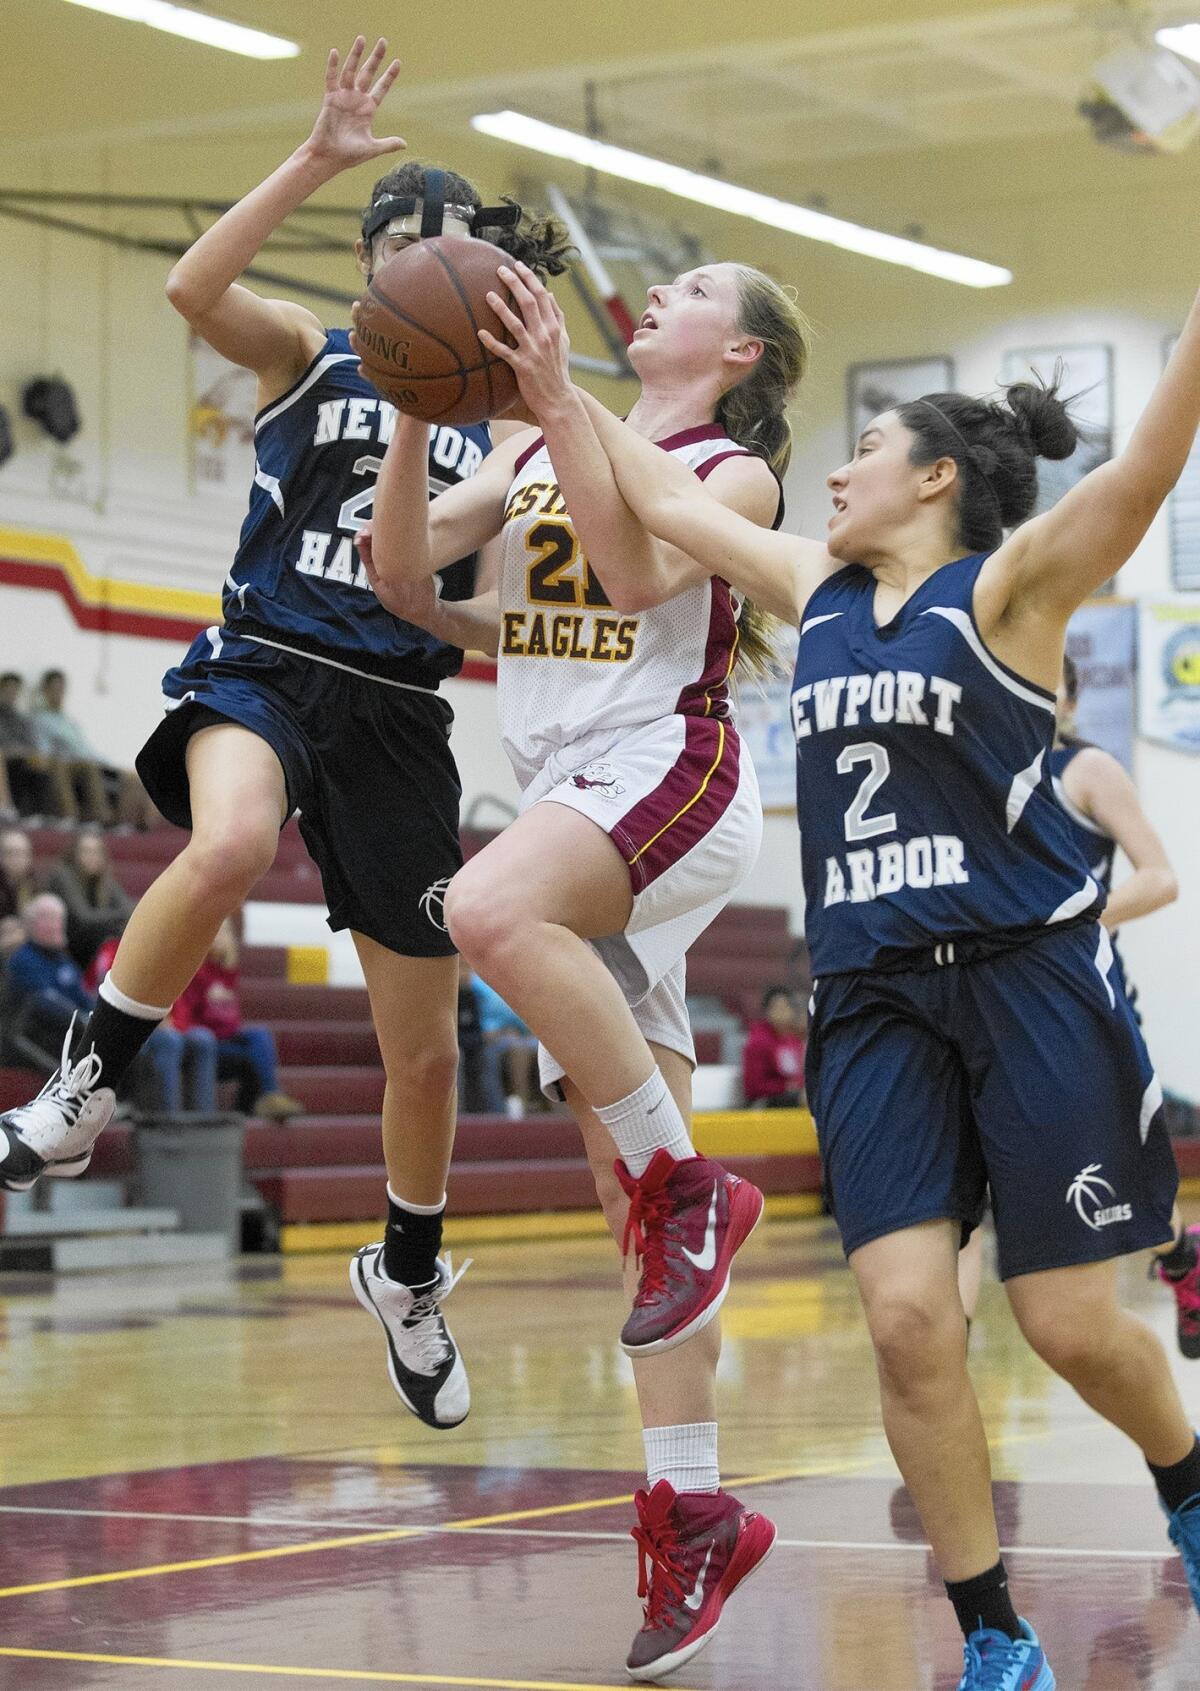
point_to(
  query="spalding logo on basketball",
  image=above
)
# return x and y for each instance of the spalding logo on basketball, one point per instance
(418, 331)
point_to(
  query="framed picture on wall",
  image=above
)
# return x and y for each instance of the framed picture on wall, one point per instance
(876, 387)
(1087, 383)
(1185, 513)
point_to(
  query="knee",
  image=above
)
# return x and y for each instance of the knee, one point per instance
(227, 862)
(914, 1340)
(1069, 1342)
(478, 918)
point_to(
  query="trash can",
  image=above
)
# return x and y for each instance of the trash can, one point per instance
(193, 1164)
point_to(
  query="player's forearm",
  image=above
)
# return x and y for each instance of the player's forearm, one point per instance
(403, 551)
(1163, 436)
(651, 482)
(472, 624)
(1139, 894)
(618, 548)
(213, 263)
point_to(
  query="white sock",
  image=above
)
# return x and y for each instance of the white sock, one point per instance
(112, 994)
(645, 1122)
(416, 1209)
(685, 1455)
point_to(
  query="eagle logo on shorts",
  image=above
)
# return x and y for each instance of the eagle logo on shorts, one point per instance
(433, 903)
(599, 778)
(1087, 1192)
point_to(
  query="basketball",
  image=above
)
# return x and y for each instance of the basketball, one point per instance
(417, 332)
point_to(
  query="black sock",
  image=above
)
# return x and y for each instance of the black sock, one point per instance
(1180, 1260)
(983, 1602)
(411, 1244)
(1180, 1483)
(115, 1036)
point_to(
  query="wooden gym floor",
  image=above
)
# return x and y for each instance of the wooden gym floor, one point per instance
(206, 1483)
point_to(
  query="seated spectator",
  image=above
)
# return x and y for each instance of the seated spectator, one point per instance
(30, 783)
(773, 1056)
(244, 1054)
(47, 989)
(510, 1065)
(17, 882)
(104, 794)
(474, 1095)
(44, 979)
(98, 907)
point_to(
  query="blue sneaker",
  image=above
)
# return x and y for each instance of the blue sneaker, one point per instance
(1184, 1528)
(995, 1662)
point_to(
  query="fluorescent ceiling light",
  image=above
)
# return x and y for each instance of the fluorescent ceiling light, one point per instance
(1184, 40)
(197, 26)
(742, 202)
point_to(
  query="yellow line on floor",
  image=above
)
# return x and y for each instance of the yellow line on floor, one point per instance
(344, 1675)
(119, 1574)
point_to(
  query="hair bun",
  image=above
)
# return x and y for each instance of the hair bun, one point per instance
(1043, 418)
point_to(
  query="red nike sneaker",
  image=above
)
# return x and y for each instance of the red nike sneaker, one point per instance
(686, 1222)
(695, 1549)
(1186, 1292)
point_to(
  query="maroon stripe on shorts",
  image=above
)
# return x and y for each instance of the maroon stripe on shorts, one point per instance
(708, 695)
(687, 803)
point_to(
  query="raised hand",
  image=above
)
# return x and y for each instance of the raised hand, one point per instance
(540, 359)
(342, 135)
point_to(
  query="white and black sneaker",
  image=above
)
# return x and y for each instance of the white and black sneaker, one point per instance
(54, 1134)
(423, 1359)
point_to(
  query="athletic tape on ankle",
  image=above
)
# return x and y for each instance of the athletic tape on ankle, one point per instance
(112, 994)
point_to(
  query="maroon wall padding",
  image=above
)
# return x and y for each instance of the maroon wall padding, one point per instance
(330, 1142)
(326, 1042)
(511, 1187)
(273, 1001)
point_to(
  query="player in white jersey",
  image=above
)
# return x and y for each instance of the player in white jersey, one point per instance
(640, 817)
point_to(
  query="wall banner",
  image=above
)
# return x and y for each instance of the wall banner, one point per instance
(765, 725)
(1101, 640)
(1169, 665)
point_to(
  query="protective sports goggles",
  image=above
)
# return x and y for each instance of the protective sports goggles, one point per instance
(428, 214)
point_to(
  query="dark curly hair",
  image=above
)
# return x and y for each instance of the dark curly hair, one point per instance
(996, 445)
(543, 243)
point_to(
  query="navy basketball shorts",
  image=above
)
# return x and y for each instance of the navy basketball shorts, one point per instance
(1023, 1071)
(367, 765)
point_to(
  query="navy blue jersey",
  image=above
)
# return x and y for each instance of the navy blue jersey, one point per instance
(1094, 845)
(926, 808)
(297, 580)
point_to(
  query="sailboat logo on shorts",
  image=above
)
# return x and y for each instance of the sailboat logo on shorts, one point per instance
(433, 903)
(1087, 1192)
(599, 778)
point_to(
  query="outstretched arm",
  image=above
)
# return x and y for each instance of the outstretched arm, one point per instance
(780, 572)
(1054, 562)
(635, 569)
(275, 338)
(1098, 786)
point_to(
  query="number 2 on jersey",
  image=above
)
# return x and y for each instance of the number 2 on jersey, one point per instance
(860, 826)
(550, 581)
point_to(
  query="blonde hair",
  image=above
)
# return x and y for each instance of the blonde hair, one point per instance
(755, 414)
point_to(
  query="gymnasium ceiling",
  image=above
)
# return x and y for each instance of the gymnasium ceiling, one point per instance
(926, 114)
